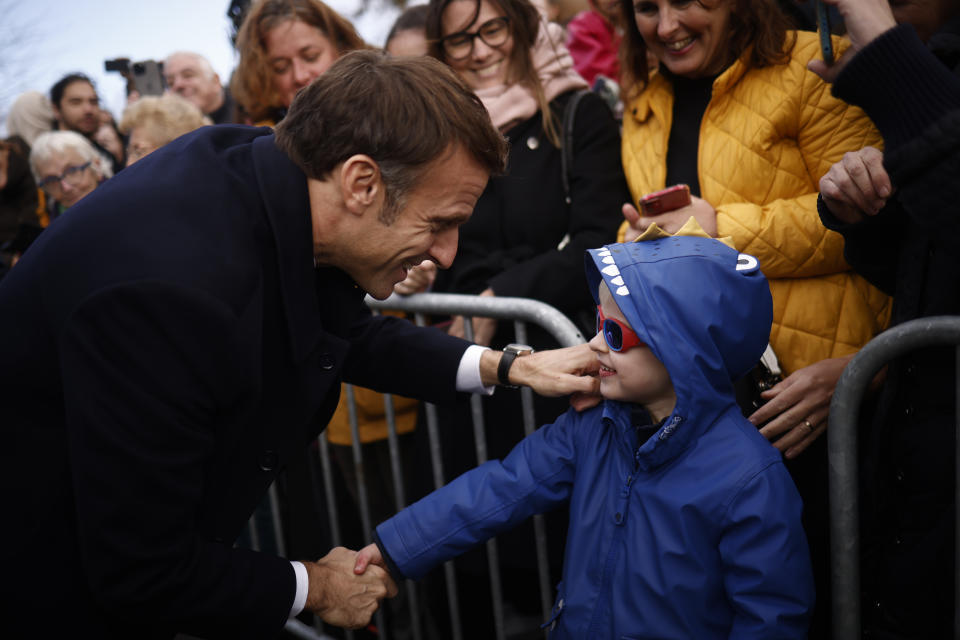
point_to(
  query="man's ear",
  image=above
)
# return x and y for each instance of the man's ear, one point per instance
(360, 183)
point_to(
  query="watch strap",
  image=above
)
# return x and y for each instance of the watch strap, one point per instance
(503, 369)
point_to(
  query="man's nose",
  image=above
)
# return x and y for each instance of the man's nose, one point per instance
(444, 248)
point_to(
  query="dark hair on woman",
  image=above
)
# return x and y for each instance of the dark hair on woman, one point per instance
(252, 85)
(756, 26)
(524, 29)
(412, 18)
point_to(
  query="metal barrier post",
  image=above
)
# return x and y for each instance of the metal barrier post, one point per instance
(842, 453)
(539, 523)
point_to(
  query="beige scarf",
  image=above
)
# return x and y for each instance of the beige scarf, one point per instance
(511, 104)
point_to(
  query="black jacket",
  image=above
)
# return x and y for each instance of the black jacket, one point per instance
(911, 250)
(166, 348)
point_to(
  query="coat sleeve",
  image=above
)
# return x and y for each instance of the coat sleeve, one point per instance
(536, 476)
(765, 560)
(786, 234)
(915, 100)
(387, 354)
(597, 190)
(150, 373)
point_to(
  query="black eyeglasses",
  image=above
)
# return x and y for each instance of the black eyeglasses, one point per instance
(71, 175)
(494, 33)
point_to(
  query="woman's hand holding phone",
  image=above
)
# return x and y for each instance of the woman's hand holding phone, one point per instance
(671, 221)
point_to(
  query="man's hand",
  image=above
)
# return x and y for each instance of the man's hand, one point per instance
(418, 279)
(556, 372)
(865, 20)
(671, 221)
(339, 596)
(856, 186)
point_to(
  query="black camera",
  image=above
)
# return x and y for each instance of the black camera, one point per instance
(144, 77)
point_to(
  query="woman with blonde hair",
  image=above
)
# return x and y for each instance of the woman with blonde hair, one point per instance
(153, 121)
(283, 45)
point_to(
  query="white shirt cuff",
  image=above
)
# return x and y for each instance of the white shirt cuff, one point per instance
(468, 373)
(303, 586)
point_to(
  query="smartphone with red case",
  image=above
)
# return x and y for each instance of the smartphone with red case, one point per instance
(664, 200)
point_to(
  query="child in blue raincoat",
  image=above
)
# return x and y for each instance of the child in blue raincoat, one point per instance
(684, 522)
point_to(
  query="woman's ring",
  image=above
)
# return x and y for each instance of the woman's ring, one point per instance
(808, 425)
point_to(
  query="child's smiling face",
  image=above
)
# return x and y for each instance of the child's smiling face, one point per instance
(634, 375)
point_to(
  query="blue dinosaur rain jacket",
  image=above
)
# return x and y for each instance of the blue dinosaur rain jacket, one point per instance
(695, 533)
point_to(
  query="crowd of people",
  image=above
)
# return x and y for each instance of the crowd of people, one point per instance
(488, 149)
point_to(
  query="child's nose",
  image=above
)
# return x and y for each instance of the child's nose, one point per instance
(598, 344)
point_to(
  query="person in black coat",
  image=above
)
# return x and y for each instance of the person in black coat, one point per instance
(173, 342)
(899, 214)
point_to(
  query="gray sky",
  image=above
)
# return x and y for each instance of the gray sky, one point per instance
(50, 38)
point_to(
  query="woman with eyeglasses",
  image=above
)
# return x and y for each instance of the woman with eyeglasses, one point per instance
(526, 237)
(67, 167)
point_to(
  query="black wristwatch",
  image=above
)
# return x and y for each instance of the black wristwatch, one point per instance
(510, 353)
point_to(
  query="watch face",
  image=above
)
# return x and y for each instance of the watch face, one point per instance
(519, 349)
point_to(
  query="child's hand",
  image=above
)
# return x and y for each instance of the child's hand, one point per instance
(418, 279)
(370, 554)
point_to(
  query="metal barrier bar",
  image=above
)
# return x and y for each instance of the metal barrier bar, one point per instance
(530, 311)
(842, 453)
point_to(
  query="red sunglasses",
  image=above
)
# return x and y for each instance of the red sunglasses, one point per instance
(619, 336)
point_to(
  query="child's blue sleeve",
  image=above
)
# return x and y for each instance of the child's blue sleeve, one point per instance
(766, 560)
(536, 476)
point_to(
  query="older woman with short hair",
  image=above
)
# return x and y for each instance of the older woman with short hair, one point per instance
(284, 45)
(153, 121)
(67, 167)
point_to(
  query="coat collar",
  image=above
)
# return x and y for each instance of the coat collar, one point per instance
(287, 203)
(650, 101)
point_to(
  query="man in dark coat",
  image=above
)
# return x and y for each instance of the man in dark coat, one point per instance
(172, 343)
(899, 213)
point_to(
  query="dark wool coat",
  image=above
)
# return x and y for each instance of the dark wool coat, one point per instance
(166, 349)
(910, 249)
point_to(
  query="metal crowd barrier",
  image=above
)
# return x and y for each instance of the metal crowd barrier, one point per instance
(522, 312)
(842, 450)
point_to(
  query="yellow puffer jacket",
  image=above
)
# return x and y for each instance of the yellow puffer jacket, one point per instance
(766, 138)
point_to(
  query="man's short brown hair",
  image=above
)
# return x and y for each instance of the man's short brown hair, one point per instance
(402, 112)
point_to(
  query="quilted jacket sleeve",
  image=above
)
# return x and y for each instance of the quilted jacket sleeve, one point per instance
(494, 497)
(785, 234)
